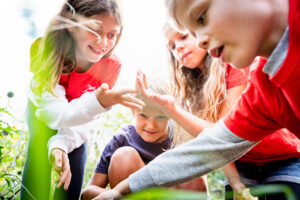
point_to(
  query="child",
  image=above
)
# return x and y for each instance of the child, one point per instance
(237, 32)
(199, 83)
(69, 63)
(210, 95)
(133, 147)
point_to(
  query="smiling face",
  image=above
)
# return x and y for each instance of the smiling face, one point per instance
(88, 48)
(151, 124)
(184, 48)
(232, 30)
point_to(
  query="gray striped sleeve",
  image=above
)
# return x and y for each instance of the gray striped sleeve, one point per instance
(212, 149)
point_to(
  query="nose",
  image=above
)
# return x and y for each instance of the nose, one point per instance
(151, 124)
(179, 46)
(103, 41)
(203, 41)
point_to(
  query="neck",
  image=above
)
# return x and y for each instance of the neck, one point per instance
(82, 65)
(279, 22)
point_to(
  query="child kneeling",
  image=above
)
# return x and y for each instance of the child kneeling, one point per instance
(134, 146)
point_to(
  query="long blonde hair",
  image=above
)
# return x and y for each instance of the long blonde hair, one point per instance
(201, 90)
(53, 54)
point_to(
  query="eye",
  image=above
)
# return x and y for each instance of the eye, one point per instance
(184, 36)
(143, 115)
(111, 35)
(201, 18)
(161, 117)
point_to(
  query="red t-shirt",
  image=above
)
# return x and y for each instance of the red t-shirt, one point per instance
(286, 143)
(271, 102)
(106, 70)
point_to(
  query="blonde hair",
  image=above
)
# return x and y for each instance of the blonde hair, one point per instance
(53, 54)
(201, 90)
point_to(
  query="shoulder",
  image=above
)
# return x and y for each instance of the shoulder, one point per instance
(112, 60)
(124, 133)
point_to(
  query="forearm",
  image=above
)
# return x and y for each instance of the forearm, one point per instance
(191, 123)
(57, 112)
(212, 149)
(69, 138)
(91, 191)
(233, 177)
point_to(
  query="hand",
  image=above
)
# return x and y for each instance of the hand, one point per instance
(108, 98)
(166, 103)
(245, 195)
(110, 194)
(60, 163)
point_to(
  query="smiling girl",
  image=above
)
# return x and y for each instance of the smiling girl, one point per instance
(73, 72)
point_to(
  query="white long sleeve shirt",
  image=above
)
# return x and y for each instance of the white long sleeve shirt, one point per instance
(69, 118)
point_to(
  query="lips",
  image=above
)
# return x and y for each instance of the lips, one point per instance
(96, 51)
(185, 55)
(150, 132)
(216, 52)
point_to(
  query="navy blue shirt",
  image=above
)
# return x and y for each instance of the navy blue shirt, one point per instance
(128, 136)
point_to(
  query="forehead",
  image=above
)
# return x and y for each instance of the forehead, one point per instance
(151, 110)
(187, 10)
(106, 21)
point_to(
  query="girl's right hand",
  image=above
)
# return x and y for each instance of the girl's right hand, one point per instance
(108, 98)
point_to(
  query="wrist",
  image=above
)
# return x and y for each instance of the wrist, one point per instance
(236, 183)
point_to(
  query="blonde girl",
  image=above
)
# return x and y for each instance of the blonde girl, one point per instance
(73, 72)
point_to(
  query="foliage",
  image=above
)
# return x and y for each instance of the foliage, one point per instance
(163, 193)
(12, 155)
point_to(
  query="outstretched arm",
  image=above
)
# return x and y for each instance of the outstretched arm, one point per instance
(212, 149)
(192, 124)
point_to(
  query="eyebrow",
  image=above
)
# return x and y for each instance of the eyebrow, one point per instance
(196, 9)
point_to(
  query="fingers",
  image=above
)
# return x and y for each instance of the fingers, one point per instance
(65, 174)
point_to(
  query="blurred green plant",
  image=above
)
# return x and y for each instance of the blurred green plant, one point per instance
(12, 148)
(163, 193)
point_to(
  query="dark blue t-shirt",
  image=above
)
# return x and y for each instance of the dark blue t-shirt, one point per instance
(128, 136)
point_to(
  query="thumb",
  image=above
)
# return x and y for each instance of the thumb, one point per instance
(104, 86)
(58, 160)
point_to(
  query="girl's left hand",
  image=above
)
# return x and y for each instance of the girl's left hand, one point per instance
(60, 162)
(108, 98)
(166, 103)
(108, 195)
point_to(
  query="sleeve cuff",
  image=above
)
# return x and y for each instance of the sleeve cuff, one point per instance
(140, 180)
(55, 142)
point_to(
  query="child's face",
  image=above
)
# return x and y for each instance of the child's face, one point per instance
(184, 48)
(232, 30)
(151, 124)
(88, 48)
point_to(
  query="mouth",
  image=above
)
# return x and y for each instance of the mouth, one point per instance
(216, 52)
(185, 55)
(96, 51)
(150, 132)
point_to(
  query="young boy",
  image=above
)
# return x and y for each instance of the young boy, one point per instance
(134, 146)
(236, 31)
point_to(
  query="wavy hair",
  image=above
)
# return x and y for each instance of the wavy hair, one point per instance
(53, 54)
(201, 90)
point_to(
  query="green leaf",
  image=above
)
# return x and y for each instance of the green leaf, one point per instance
(163, 193)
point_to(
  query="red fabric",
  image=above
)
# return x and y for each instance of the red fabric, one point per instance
(106, 70)
(236, 77)
(272, 103)
(286, 143)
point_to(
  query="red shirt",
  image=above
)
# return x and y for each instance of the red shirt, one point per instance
(286, 144)
(106, 70)
(272, 102)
